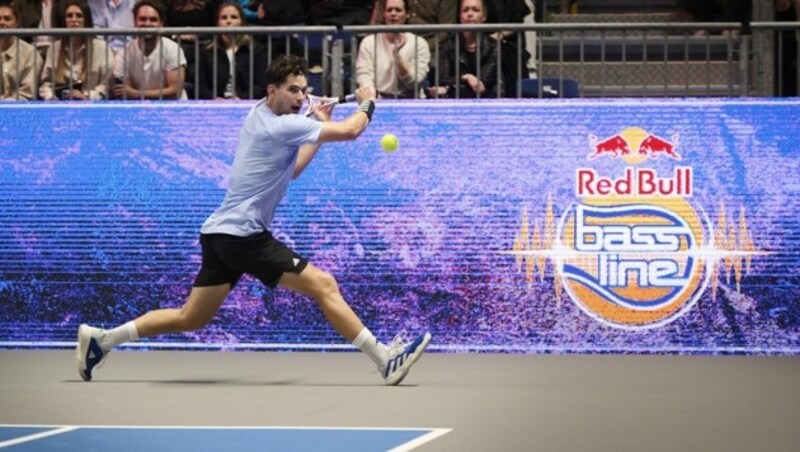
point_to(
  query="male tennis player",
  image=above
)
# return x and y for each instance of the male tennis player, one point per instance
(275, 145)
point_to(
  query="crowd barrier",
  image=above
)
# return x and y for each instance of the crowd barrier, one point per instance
(569, 60)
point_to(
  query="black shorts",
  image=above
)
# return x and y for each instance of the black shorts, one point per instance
(227, 257)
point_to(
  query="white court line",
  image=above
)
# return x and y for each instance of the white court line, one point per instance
(426, 438)
(35, 436)
(222, 427)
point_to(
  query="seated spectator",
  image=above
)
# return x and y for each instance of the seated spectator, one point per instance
(77, 68)
(151, 66)
(226, 63)
(468, 73)
(111, 15)
(425, 12)
(394, 63)
(19, 61)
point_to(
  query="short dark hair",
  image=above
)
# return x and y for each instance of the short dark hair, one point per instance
(155, 4)
(283, 66)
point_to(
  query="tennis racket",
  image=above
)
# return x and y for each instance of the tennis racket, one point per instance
(325, 101)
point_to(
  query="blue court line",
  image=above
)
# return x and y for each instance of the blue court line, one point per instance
(202, 439)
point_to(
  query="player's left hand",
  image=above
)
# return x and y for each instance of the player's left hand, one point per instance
(322, 112)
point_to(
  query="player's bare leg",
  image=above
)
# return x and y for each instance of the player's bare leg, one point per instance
(393, 361)
(322, 287)
(94, 344)
(197, 312)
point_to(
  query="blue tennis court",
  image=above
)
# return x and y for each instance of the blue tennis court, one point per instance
(200, 439)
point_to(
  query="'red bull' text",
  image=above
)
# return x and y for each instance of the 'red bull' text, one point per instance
(635, 182)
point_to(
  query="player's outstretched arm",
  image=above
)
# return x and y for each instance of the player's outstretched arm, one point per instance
(348, 129)
(352, 126)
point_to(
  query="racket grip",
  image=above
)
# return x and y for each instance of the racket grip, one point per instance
(347, 98)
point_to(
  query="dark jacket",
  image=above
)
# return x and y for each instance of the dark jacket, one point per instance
(488, 66)
(241, 71)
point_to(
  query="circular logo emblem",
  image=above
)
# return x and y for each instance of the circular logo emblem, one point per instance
(631, 262)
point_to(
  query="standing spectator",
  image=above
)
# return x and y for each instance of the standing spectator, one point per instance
(472, 70)
(113, 14)
(339, 12)
(425, 12)
(508, 12)
(77, 68)
(227, 62)
(151, 66)
(191, 13)
(786, 44)
(19, 61)
(394, 63)
(43, 14)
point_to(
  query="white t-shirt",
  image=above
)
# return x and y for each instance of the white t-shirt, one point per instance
(149, 71)
(262, 169)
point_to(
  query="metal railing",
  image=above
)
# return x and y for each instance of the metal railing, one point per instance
(572, 60)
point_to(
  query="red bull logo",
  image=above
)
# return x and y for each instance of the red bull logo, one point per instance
(634, 145)
(633, 251)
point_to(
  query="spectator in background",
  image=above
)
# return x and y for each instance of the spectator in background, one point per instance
(786, 48)
(507, 12)
(394, 63)
(717, 11)
(472, 70)
(111, 15)
(339, 12)
(191, 13)
(280, 13)
(39, 14)
(226, 63)
(19, 61)
(425, 12)
(151, 66)
(77, 68)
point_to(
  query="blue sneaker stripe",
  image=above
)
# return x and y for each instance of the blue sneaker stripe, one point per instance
(94, 354)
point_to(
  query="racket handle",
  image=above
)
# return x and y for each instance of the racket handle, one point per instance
(347, 98)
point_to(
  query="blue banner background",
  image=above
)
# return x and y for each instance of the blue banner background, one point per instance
(103, 204)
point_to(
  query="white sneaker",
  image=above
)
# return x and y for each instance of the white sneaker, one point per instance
(89, 354)
(403, 355)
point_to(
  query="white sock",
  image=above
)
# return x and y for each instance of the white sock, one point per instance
(366, 342)
(119, 335)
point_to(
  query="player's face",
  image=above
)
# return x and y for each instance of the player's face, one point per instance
(75, 17)
(289, 95)
(394, 13)
(229, 17)
(472, 12)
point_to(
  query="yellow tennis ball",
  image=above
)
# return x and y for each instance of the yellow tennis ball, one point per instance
(389, 142)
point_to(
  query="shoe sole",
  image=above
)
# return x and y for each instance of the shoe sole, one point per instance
(83, 346)
(412, 358)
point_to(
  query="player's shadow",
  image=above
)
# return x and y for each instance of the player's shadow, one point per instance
(226, 382)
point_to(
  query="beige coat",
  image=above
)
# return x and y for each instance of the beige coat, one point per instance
(95, 86)
(19, 66)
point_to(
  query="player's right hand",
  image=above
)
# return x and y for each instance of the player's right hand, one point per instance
(365, 93)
